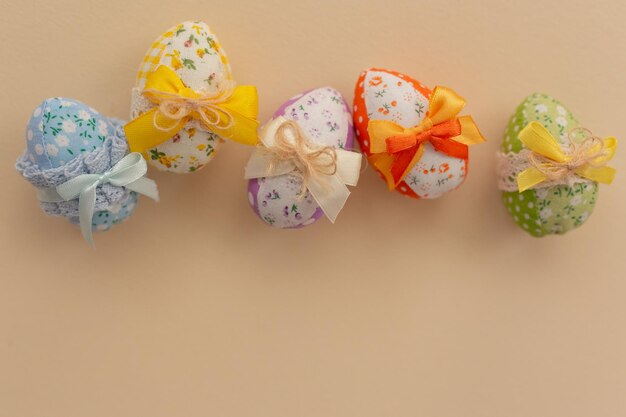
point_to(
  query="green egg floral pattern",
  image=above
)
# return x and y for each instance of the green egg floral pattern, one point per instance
(549, 210)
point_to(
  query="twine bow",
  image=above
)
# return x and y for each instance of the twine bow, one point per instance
(549, 162)
(128, 172)
(291, 147)
(324, 170)
(231, 113)
(396, 149)
(175, 107)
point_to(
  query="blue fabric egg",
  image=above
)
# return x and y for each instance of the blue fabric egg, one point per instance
(66, 138)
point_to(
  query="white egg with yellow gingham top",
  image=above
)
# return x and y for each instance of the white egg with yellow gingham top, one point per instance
(195, 55)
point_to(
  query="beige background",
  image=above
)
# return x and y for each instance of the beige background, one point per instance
(403, 308)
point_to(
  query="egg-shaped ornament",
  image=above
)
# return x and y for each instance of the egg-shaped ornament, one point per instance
(304, 163)
(549, 167)
(185, 102)
(414, 137)
(78, 161)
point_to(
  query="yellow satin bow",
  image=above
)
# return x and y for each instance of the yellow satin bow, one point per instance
(549, 162)
(230, 116)
(397, 149)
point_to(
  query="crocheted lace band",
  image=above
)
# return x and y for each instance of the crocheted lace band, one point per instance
(510, 165)
(97, 161)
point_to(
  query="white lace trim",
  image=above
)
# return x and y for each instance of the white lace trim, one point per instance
(510, 165)
(138, 103)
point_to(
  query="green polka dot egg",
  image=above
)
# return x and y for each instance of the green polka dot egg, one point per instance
(548, 210)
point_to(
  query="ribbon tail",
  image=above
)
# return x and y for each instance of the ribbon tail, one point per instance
(529, 178)
(450, 147)
(604, 174)
(393, 170)
(49, 195)
(145, 186)
(262, 165)
(86, 206)
(142, 134)
(348, 166)
(470, 135)
(243, 130)
(245, 101)
(330, 195)
(243, 107)
(405, 163)
(383, 163)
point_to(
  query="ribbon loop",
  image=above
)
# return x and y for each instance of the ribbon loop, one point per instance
(396, 149)
(549, 162)
(129, 172)
(324, 170)
(230, 113)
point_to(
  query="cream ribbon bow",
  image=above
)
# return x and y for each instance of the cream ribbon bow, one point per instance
(325, 171)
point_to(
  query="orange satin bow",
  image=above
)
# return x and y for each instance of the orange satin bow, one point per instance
(396, 149)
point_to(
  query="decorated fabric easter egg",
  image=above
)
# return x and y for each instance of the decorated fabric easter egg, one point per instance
(189, 102)
(70, 143)
(411, 135)
(549, 167)
(318, 126)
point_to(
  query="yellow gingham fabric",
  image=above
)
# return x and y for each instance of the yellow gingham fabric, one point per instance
(153, 57)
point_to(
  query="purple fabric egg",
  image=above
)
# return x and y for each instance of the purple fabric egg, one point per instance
(325, 118)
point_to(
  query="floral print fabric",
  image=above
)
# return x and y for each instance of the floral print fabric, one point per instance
(103, 220)
(388, 95)
(325, 118)
(195, 54)
(551, 210)
(61, 129)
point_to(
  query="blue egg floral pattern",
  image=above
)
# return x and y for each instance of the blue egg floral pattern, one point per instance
(60, 131)
(62, 128)
(105, 219)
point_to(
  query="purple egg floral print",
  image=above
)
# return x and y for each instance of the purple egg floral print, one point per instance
(325, 118)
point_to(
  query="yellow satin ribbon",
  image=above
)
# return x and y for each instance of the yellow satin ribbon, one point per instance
(444, 106)
(549, 162)
(229, 116)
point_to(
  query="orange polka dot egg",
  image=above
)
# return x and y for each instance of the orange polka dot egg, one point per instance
(381, 94)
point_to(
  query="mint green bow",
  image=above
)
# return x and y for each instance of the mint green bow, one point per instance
(128, 172)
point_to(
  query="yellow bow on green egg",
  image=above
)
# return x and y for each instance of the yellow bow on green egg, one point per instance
(549, 162)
